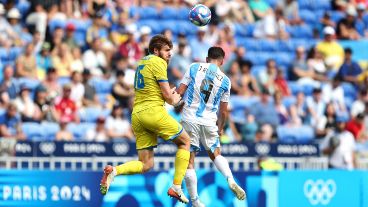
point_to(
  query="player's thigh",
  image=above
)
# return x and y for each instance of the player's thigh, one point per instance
(193, 131)
(210, 138)
(145, 139)
(162, 124)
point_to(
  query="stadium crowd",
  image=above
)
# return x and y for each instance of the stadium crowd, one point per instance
(68, 66)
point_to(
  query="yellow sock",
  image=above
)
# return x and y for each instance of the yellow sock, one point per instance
(131, 167)
(181, 165)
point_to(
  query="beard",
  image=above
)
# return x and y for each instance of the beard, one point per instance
(161, 55)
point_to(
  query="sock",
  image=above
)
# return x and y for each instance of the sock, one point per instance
(191, 182)
(129, 168)
(223, 166)
(181, 165)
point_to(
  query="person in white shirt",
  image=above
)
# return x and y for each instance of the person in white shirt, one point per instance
(339, 145)
(207, 92)
(99, 133)
(94, 59)
(117, 126)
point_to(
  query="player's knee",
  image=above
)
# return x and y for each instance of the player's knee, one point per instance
(147, 166)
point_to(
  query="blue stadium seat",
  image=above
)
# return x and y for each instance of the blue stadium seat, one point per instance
(295, 87)
(79, 130)
(170, 25)
(336, 16)
(303, 31)
(268, 45)
(286, 46)
(103, 98)
(283, 58)
(63, 80)
(308, 16)
(288, 101)
(148, 12)
(153, 24)
(185, 27)
(257, 69)
(15, 52)
(245, 30)
(349, 90)
(295, 135)
(33, 131)
(259, 58)
(249, 43)
(239, 106)
(23, 7)
(183, 13)
(30, 83)
(4, 55)
(169, 13)
(53, 24)
(321, 4)
(50, 129)
(91, 114)
(102, 85)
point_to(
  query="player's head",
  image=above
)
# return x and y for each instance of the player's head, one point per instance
(160, 46)
(215, 55)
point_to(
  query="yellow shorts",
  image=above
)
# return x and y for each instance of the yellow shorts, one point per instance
(152, 123)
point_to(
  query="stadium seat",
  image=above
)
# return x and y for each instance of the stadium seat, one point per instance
(183, 13)
(63, 80)
(303, 31)
(33, 131)
(50, 129)
(295, 87)
(30, 83)
(53, 24)
(288, 101)
(148, 12)
(349, 90)
(268, 45)
(91, 114)
(169, 13)
(248, 43)
(308, 16)
(23, 6)
(336, 16)
(239, 106)
(295, 135)
(102, 85)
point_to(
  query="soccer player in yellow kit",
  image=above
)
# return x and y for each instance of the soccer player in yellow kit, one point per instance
(151, 120)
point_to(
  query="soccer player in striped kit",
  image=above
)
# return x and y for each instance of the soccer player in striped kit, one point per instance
(207, 92)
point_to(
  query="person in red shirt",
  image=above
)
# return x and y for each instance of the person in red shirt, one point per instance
(65, 107)
(281, 83)
(356, 126)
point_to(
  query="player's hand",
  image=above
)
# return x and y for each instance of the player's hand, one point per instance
(221, 132)
(173, 90)
(175, 97)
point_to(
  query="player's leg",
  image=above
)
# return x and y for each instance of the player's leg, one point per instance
(190, 175)
(145, 142)
(223, 166)
(169, 129)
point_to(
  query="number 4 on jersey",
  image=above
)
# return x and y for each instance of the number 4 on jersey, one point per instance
(206, 89)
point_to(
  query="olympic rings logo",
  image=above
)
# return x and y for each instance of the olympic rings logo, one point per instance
(319, 191)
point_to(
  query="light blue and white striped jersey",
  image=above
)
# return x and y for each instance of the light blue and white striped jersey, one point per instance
(207, 86)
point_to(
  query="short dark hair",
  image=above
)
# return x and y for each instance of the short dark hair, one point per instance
(348, 50)
(216, 53)
(157, 42)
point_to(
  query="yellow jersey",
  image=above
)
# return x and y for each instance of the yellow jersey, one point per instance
(150, 71)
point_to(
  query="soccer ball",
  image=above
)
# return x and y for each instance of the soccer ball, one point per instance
(200, 15)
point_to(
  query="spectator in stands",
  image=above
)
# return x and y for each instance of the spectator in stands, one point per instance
(77, 63)
(281, 23)
(327, 123)
(6, 32)
(356, 127)
(144, 39)
(360, 24)
(54, 14)
(179, 64)
(212, 34)
(316, 106)
(327, 21)
(9, 88)
(65, 107)
(346, 26)
(234, 11)
(27, 108)
(14, 16)
(117, 125)
(77, 92)
(265, 111)
(118, 29)
(249, 129)
(90, 98)
(234, 76)
(43, 60)
(130, 48)
(260, 9)
(349, 70)
(281, 83)
(11, 124)
(38, 20)
(358, 105)
(339, 145)
(99, 133)
(266, 24)
(264, 133)
(121, 91)
(64, 134)
(94, 59)
(333, 92)
(62, 60)
(248, 83)
(226, 41)
(69, 38)
(26, 65)
(44, 104)
(199, 46)
(51, 83)
(301, 107)
(266, 78)
(281, 110)
(316, 62)
(56, 39)
(98, 29)
(290, 8)
(300, 68)
(332, 52)
(121, 64)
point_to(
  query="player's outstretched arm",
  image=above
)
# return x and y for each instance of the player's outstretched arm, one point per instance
(223, 114)
(170, 95)
(182, 89)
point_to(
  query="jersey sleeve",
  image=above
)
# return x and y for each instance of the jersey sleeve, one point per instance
(160, 71)
(226, 95)
(187, 78)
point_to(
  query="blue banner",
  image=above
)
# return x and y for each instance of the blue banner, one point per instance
(87, 149)
(23, 188)
(316, 188)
